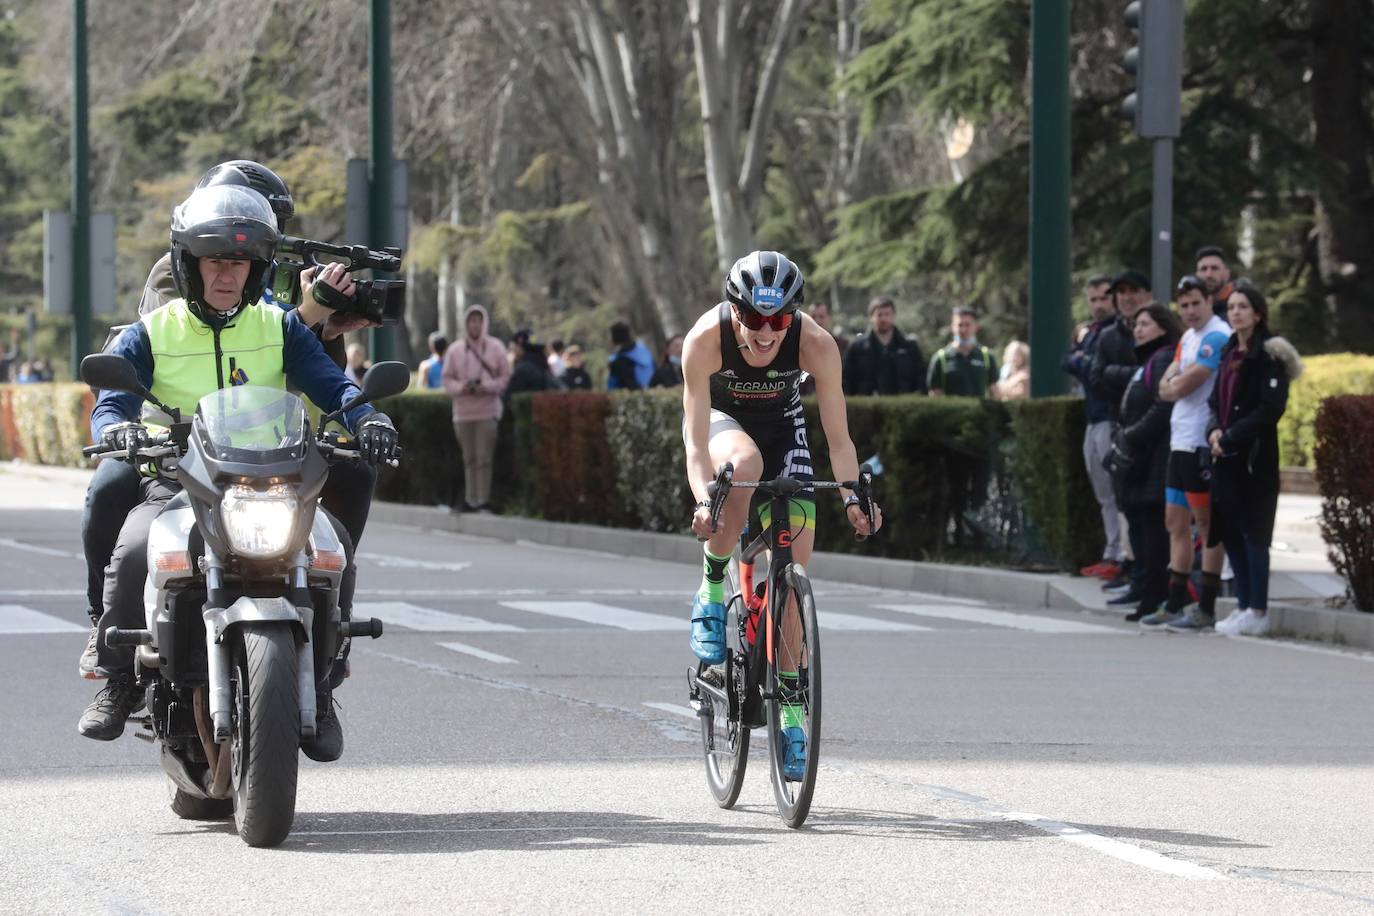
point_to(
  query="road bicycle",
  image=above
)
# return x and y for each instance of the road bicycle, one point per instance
(773, 652)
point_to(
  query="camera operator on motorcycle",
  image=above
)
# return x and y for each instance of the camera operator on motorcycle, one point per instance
(218, 334)
(114, 488)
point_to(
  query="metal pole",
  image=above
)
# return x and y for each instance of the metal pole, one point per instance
(1050, 225)
(81, 202)
(1161, 219)
(381, 230)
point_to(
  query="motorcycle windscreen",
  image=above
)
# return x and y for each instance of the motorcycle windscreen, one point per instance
(251, 424)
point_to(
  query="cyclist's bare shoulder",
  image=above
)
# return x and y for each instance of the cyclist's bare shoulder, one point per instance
(819, 354)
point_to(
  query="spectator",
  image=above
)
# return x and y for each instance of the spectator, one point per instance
(632, 364)
(820, 313)
(26, 375)
(475, 376)
(432, 369)
(516, 348)
(1097, 437)
(1013, 381)
(556, 363)
(1140, 453)
(357, 362)
(9, 357)
(1188, 385)
(1249, 398)
(575, 378)
(1114, 362)
(883, 361)
(669, 373)
(1211, 269)
(965, 367)
(531, 370)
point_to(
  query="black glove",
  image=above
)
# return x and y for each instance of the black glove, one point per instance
(122, 436)
(377, 439)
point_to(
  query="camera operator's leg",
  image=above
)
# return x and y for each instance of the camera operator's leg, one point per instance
(347, 496)
(327, 745)
(111, 495)
(104, 718)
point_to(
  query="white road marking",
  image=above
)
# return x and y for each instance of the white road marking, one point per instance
(684, 711)
(602, 614)
(15, 618)
(1127, 852)
(38, 548)
(478, 653)
(428, 620)
(1028, 622)
(382, 559)
(834, 620)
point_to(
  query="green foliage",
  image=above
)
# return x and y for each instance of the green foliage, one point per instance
(644, 430)
(1345, 474)
(1048, 467)
(45, 424)
(1322, 377)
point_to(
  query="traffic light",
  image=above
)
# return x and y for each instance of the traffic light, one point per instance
(1157, 64)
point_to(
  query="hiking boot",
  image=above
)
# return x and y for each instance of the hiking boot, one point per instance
(89, 665)
(327, 745)
(708, 630)
(104, 719)
(1193, 620)
(794, 760)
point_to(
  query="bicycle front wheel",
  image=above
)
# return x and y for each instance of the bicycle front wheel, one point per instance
(724, 738)
(793, 685)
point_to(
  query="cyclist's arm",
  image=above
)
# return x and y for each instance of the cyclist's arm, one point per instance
(820, 356)
(700, 358)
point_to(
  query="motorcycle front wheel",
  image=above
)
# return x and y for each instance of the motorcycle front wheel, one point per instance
(265, 736)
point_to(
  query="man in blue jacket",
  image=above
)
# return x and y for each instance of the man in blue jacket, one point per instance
(632, 364)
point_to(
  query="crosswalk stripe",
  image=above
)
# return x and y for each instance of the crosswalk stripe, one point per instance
(602, 614)
(382, 559)
(478, 653)
(1028, 622)
(15, 618)
(413, 617)
(834, 620)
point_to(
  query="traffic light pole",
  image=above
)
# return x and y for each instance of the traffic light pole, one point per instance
(81, 199)
(381, 232)
(1051, 229)
(1161, 218)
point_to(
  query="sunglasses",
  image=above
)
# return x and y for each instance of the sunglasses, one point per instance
(756, 322)
(1191, 282)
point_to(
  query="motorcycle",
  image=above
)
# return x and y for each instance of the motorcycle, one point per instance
(242, 596)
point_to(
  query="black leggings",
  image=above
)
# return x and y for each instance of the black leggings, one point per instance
(1150, 544)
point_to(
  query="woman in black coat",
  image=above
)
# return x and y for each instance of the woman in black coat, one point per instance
(1250, 396)
(1140, 454)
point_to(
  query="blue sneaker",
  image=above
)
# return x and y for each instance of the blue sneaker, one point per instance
(708, 630)
(794, 761)
(1193, 620)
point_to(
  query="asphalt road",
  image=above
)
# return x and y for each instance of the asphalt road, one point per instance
(516, 742)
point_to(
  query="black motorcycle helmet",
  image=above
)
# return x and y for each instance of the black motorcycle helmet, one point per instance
(249, 174)
(222, 221)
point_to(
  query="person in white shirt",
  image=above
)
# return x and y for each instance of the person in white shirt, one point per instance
(1188, 383)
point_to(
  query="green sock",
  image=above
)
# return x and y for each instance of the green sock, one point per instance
(793, 714)
(713, 577)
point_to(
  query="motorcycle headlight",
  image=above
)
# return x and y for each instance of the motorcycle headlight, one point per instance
(258, 523)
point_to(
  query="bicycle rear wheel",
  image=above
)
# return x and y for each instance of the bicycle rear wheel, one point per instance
(724, 738)
(793, 792)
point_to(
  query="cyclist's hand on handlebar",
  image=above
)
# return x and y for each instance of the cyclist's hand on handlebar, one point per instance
(859, 520)
(122, 436)
(701, 523)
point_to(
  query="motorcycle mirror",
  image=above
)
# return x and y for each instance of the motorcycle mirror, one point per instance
(385, 379)
(112, 373)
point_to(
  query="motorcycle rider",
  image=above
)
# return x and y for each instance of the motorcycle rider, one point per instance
(114, 488)
(219, 333)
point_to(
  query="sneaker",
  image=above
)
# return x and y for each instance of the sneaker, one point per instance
(1160, 618)
(1231, 625)
(1130, 596)
(327, 745)
(104, 719)
(708, 630)
(1255, 625)
(1141, 613)
(794, 760)
(1122, 580)
(1193, 620)
(89, 665)
(1104, 569)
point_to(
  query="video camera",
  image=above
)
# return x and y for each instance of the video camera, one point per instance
(382, 301)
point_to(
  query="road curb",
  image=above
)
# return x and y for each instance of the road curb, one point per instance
(999, 586)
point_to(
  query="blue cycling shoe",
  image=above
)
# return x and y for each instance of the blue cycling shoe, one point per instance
(708, 630)
(794, 760)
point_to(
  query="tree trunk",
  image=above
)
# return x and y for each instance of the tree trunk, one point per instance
(1346, 221)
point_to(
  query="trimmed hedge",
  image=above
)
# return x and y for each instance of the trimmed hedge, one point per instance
(46, 423)
(1345, 475)
(1322, 377)
(1047, 465)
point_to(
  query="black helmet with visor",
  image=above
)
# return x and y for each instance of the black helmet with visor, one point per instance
(227, 222)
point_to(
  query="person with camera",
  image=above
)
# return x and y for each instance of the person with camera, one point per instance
(114, 487)
(476, 373)
(1139, 457)
(218, 334)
